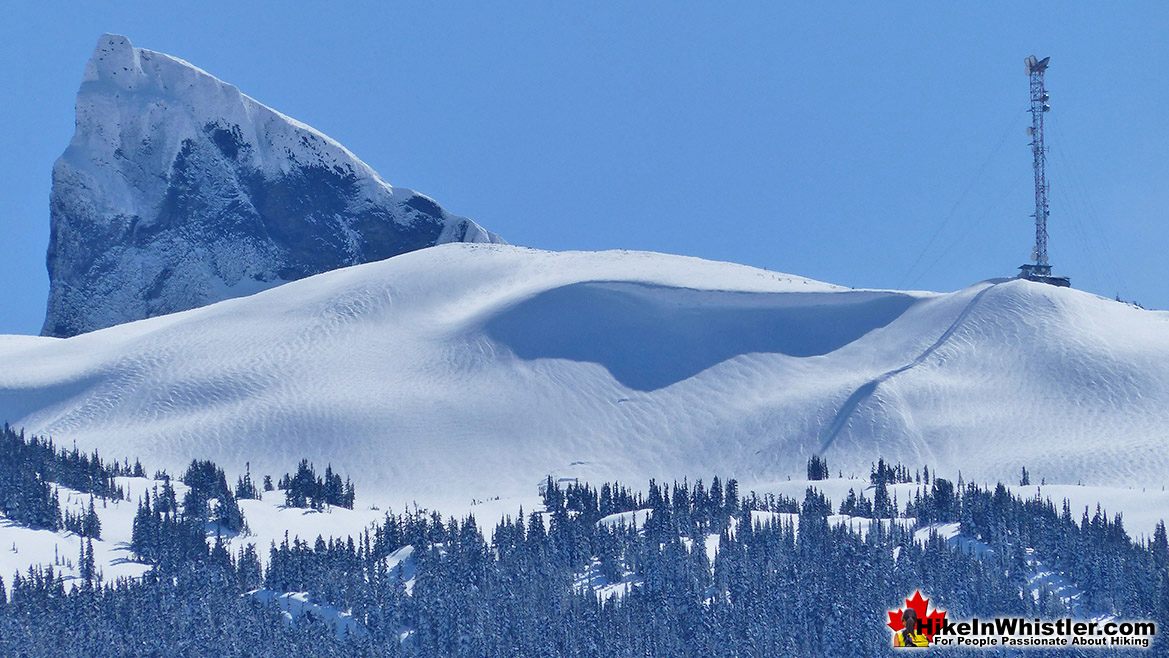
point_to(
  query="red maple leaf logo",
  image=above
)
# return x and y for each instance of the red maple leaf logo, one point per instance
(930, 620)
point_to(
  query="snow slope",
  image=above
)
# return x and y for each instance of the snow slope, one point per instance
(469, 371)
(268, 523)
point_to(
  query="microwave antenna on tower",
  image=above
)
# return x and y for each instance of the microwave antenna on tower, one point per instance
(1040, 270)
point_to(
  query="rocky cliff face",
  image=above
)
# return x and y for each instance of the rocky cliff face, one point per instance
(178, 191)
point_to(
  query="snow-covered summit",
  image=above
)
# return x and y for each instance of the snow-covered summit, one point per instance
(471, 371)
(178, 190)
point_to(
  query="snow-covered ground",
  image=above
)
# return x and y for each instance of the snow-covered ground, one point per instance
(1041, 578)
(22, 547)
(634, 519)
(593, 579)
(269, 521)
(293, 605)
(1142, 508)
(467, 372)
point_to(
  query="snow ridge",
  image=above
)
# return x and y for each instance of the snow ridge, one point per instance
(866, 391)
(447, 374)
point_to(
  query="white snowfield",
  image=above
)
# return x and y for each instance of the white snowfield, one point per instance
(22, 547)
(268, 522)
(470, 371)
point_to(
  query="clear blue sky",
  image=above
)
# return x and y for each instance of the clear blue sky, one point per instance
(833, 141)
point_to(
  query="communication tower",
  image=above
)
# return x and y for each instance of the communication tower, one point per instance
(1040, 270)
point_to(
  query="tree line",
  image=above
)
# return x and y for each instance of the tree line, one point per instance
(420, 584)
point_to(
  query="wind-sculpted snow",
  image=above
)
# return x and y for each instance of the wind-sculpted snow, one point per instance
(867, 389)
(472, 371)
(177, 191)
(649, 337)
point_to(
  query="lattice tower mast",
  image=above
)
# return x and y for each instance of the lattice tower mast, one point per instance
(1039, 107)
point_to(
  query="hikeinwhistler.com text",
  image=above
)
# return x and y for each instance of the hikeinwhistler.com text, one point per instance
(1002, 632)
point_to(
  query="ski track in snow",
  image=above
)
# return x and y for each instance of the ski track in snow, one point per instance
(867, 390)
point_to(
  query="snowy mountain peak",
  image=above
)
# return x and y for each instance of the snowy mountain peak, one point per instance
(178, 190)
(114, 60)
